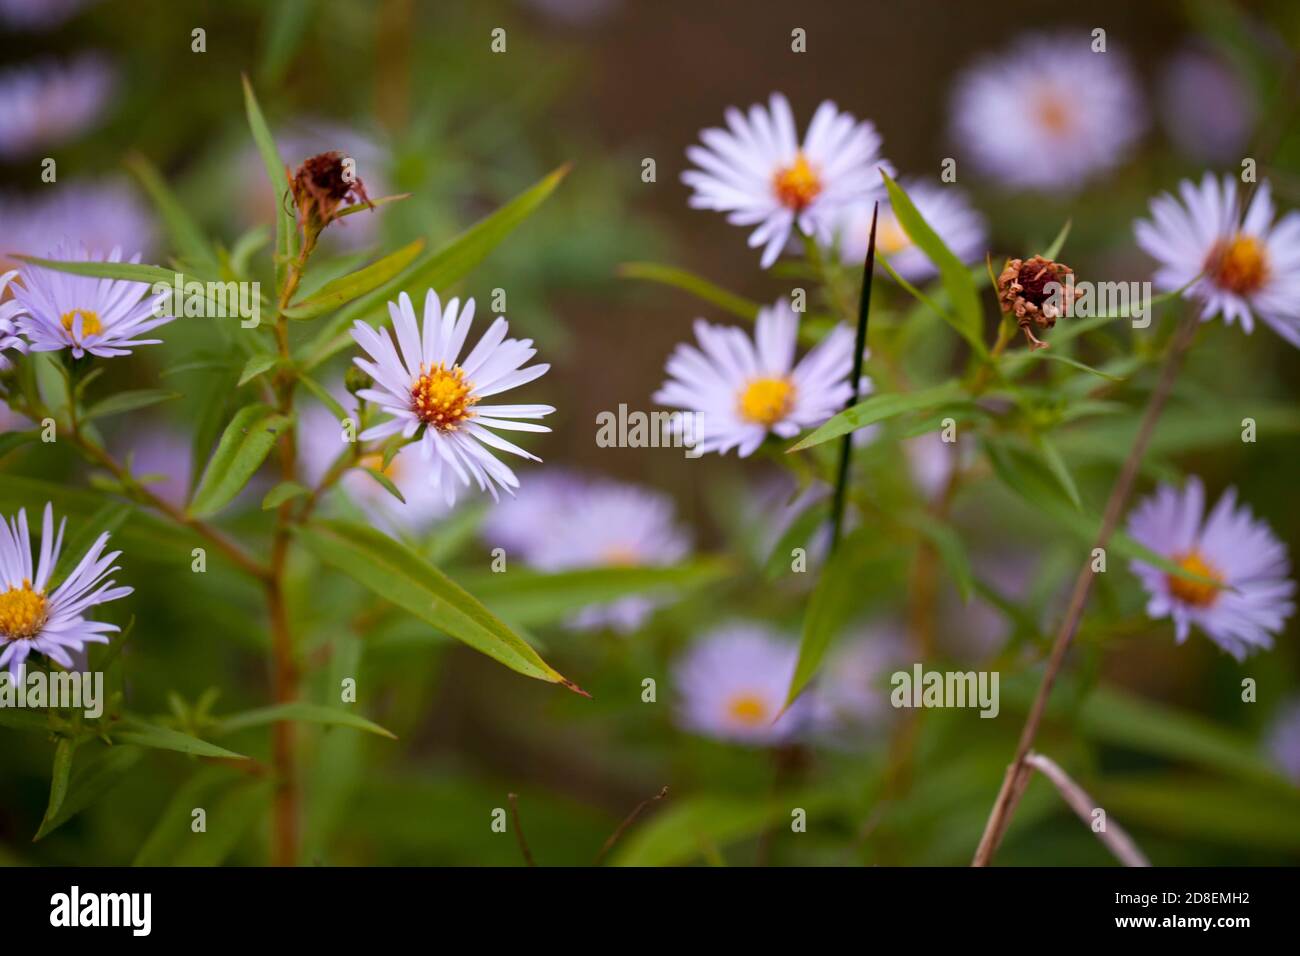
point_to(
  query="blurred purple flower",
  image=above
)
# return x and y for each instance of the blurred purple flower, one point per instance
(1207, 110)
(99, 215)
(48, 103)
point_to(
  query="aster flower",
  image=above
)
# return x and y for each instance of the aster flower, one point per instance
(84, 314)
(945, 208)
(33, 621)
(732, 685)
(1206, 108)
(742, 389)
(851, 692)
(1252, 597)
(98, 214)
(1248, 267)
(760, 174)
(1283, 741)
(39, 14)
(50, 103)
(9, 310)
(564, 522)
(1048, 113)
(427, 385)
(321, 439)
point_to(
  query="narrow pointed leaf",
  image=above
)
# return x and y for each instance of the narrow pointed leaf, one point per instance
(878, 408)
(284, 491)
(301, 712)
(964, 312)
(398, 574)
(145, 734)
(243, 447)
(702, 289)
(346, 288)
(128, 402)
(90, 780)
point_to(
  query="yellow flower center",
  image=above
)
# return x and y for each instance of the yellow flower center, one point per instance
(747, 709)
(90, 324)
(797, 185)
(890, 237)
(621, 556)
(1195, 593)
(375, 462)
(1239, 265)
(1053, 114)
(765, 401)
(441, 398)
(22, 612)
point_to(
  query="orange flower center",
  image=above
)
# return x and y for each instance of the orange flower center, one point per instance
(1239, 265)
(22, 612)
(797, 185)
(747, 709)
(89, 322)
(1052, 114)
(1195, 593)
(621, 556)
(441, 398)
(765, 401)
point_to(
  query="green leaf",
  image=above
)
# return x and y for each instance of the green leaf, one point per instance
(531, 598)
(145, 734)
(301, 712)
(355, 284)
(947, 543)
(437, 269)
(965, 315)
(286, 229)
(832, 601)
(30, 719)
(702, 289)
(130, 271)
(878, 408)
(256, 365)
(286, 23)
(235, 813)
(386, 483)
(1056, 465)
(128, 402)
(1206, 811)
(398, 574)
(243, 447)
(1058, 243)
(9, 441)
(172, 831)
(322, 393)
(284, 491)
(91, 780)
(59, 776)
(185, 233)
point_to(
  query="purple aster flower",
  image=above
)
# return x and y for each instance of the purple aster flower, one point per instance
(49, 103)
(1246, 598)
(33, 621)
(99, 316)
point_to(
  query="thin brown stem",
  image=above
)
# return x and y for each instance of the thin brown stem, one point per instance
(519, 830)
(627, 822)
(1017, 776)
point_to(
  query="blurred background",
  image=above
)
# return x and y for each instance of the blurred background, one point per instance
(414, 92)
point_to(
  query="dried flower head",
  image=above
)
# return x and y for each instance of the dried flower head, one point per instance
(1023, 289)
(320, 185)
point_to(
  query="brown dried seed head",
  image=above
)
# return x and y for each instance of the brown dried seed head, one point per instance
(320, 185)
(1022, 291)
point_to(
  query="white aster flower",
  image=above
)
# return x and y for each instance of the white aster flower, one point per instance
(1048, 112)
(742, 389)
(563, 522)
(760, 174)
(9, 311)
(427, 384)
(733, 684)
(1252, 598)
(1249, 266)
(945, 208)
(34, 622)
(97, 214)
(321, 439)
(99, 316)
(50, 103)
